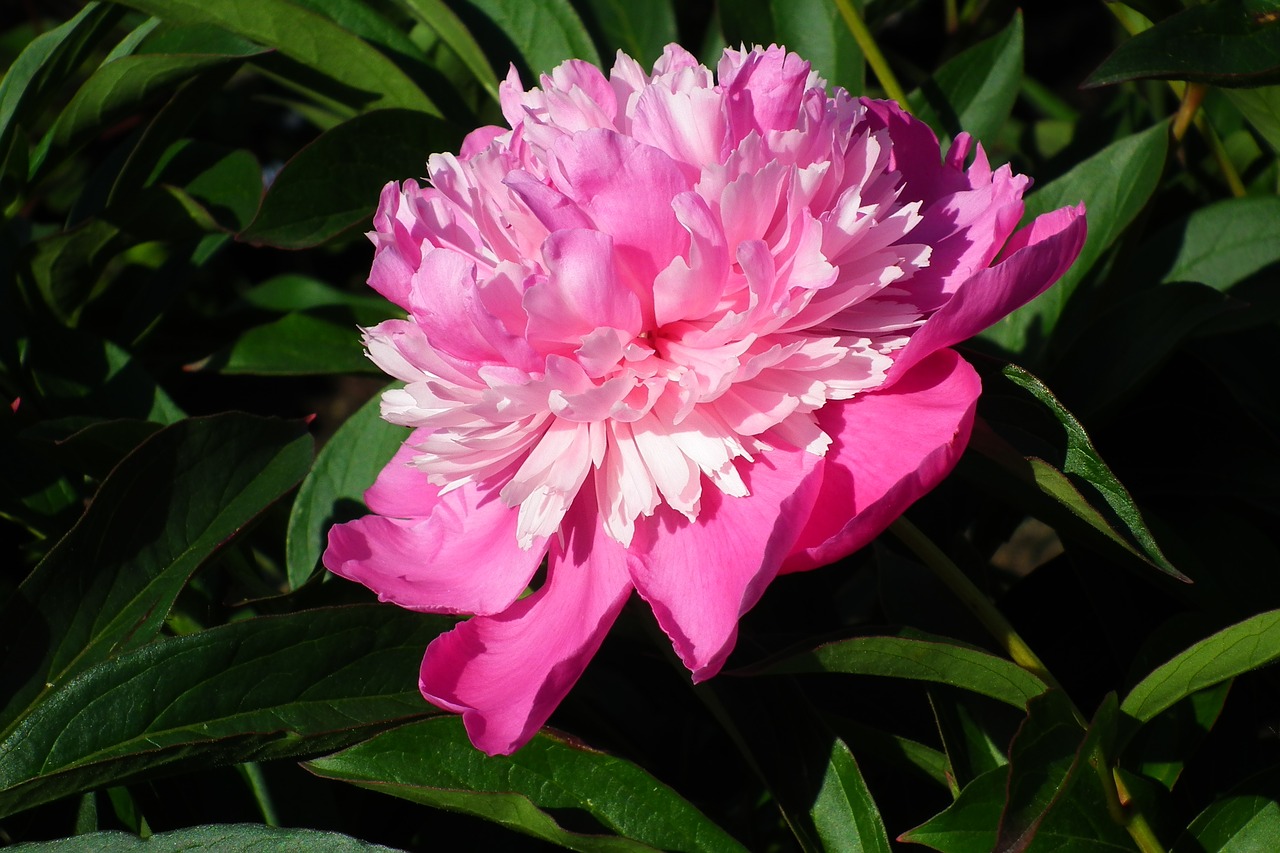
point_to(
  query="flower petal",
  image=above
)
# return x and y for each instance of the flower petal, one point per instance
(699, 578)
(889, 448)
(507, 673)
(462, 558)
(1042, 252)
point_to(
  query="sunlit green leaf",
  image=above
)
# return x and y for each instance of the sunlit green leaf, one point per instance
(433, 763)
(1245, 646)
(1083, 460)
(276, 686)
(918, 659)
(1219, 244)
(370, 79)
(1110, 205)
(1247, 818)
(843, 812)
(975, 91)
(324, 341)
(444, 23)
(334, 490)
(543, 32)
(968, 825)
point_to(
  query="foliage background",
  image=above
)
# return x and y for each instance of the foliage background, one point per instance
(184, 186)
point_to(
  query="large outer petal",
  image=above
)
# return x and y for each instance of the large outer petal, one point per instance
(451, 553)
(889, 448)
(1041, 253)
(700, 577)
(506, 673)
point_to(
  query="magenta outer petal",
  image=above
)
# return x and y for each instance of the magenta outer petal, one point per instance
(889, 448)
(455, 553)
(700, 577)
(994, 292)
(506, 673)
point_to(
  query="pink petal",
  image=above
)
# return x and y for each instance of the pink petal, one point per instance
(581, 292)
(401, 490)
(507, 673)
(700, 577)
(461, 558)
(763, 88)
(889, 448)
(1042, 253)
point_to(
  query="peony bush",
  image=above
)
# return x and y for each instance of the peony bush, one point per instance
(729, 452)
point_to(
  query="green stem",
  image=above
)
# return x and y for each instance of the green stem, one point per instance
(879, 66)
(974, 599)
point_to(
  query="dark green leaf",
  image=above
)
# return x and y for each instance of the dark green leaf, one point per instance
(360, 18)
(544, 32)
(1110, 206)
(65, 266)
(225, 838)
(1159, 749)
(975, 91)
(259, 688)
(1222, 42)
(640, 28)
(1247, 818)
(843, 812)
(295, 345)
(77, 374)
(1220, 244)
(1083, 460)
(971, 748)
(1261, 107)
(334, 490)
(294, 292)
(443, 22)
(47, 61)
(333, 183)
(126, 84)
(1245, 646)
(934, 660)
(109, 583)
(433, 763)
(372, 80)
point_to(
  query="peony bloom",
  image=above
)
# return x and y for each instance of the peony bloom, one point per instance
(673, 333)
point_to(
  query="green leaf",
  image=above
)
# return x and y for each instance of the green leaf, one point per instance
(1261, 107)
(1223, 42)
(975, 91)
(1083, 461)
(1247, 818)
(47, 61)
(370, 80)
(441, 20)
(969, 824)
(1160, 749)
(291, 292)
(64, 267)
(126, 84)
(1055, 799)
(259, 688)
(223, 837)
(1220, 244)
(815, 30)
(433, 763)
(1243, 647)
(843, 812)
(324, 341)
(334, 490)
(78, 374)
(1110, 206)
(971, 749)
(543, 32)
(640, 28)
(929, 659)
(109, 583)
(358, 17)
(333, 183)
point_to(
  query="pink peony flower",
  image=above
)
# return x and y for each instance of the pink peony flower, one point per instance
(674, 336)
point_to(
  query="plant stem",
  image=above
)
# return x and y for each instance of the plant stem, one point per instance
(858, 27)
(1192, 95)
(974, 599)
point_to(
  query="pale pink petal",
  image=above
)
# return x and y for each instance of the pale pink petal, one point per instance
(581, 292)
(889, 448)
(699, 578)
(506, 673)
(996, 291)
